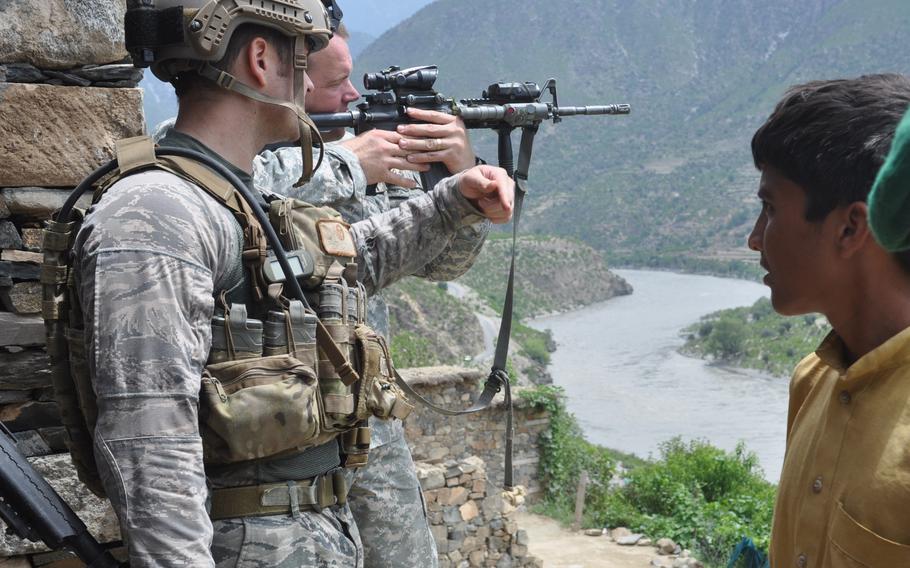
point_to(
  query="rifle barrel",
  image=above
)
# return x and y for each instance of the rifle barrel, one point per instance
(596, 109)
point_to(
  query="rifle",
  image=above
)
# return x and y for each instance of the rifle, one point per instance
(503, 107)
(32, 510)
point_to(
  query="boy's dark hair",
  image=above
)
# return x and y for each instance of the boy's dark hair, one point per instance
(831, 137)
(189, 81)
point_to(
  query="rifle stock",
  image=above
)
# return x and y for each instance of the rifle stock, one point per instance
(32, 510)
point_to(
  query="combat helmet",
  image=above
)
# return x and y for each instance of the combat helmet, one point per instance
(178, 36)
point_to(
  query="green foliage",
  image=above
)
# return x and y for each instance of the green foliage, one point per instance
(756, 337)
(564, 454)
(702, 497)
(552, 275)
(536, 344)
(726, 337)
(410, 350)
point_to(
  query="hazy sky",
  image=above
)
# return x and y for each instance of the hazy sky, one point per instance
(376, 16)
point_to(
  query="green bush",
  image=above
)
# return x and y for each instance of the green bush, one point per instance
(702, 497)
(410, 350)
(727, 337)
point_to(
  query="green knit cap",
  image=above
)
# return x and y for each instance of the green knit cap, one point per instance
(889, 202)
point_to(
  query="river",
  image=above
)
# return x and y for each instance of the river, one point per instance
(630, 389)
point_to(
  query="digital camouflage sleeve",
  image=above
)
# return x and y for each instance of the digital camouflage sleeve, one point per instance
(148, 258)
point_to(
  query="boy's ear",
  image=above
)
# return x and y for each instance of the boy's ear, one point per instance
(853, 228)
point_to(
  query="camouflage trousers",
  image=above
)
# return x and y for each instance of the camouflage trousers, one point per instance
(328, 539)
(387, 503)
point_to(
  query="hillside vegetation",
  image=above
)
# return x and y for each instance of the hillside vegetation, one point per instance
(552, 275)
(756, 337)
(672, 184)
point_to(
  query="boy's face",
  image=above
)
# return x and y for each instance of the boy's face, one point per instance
(798, 254)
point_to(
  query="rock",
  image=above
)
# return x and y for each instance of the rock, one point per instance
(21, 330)
(457, 496)
(469, 511)
(22, 256)
(521, 537)
(20, 271)
(68, 79)
(23, 73)
(430, 477)
(658, 563)
(30, 416)
(32, 239)
(619, 532)
(45, 139)
(9, 236)
(594, 532)
(22, 298)
(31, 444)
(629, 540)
(644, 542)
(39, 202)
(82, 33)
(666, 546)
(110, 73)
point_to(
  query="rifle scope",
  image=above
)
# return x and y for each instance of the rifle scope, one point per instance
(395, 78)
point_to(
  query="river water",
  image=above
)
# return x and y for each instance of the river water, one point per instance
(630, 389)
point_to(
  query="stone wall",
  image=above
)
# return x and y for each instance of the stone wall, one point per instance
(471, 518)
(435, 438)
(67, 92)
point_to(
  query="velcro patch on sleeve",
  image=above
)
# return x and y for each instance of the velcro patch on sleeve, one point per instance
(335, 238)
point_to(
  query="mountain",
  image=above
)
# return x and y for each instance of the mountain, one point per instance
(374, 17)
(672, 184)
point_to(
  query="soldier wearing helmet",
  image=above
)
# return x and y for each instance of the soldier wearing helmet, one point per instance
(156, 253)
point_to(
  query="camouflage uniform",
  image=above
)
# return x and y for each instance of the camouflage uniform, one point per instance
(385, 496)
(149, 257)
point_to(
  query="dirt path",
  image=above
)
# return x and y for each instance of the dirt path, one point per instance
(562, 548)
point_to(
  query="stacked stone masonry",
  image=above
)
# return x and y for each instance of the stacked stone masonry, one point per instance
(472, 519)
(66, 95)
(435, 438)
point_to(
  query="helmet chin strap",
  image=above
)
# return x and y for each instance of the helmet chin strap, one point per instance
(308, 131)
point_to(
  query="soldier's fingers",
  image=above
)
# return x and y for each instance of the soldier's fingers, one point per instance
(426, 157)
(426, 130)
(404, 164)
(431, 116)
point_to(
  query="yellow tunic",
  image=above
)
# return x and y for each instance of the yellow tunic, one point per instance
(844, 495)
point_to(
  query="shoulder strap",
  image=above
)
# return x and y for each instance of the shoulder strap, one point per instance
(138, 154)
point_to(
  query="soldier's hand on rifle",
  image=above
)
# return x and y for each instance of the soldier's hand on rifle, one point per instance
(379, 154)
(491, 190)
(442, 138)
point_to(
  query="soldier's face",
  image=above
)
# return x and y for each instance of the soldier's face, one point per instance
(330, 70)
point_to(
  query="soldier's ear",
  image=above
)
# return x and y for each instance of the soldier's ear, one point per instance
(257, 61)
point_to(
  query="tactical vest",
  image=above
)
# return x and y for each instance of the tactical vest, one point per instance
(281, 377)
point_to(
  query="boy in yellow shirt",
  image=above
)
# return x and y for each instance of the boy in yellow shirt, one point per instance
(844, 494)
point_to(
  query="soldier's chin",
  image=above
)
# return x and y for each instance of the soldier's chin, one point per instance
(332, 135)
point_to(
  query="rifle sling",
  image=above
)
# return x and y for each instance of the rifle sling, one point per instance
(498, 379)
